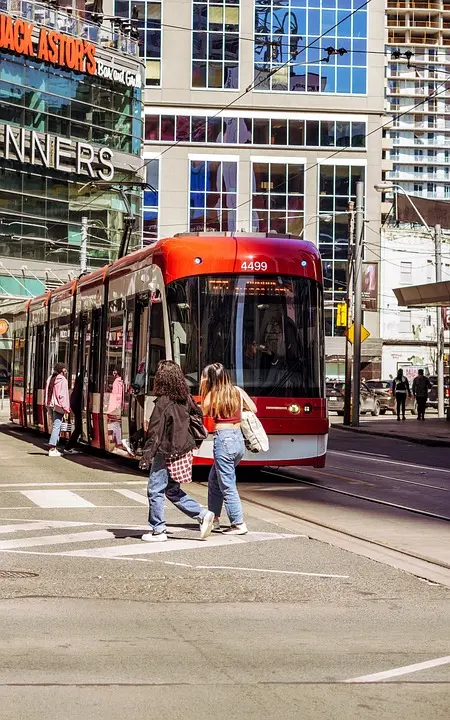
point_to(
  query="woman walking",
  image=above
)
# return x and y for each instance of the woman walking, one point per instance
(224, 402)
(169, 451)
(399, 389)
(57, 402)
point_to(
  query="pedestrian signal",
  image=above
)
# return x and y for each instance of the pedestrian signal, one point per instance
(341, 315)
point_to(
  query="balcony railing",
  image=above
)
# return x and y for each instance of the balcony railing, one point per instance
(71, 23)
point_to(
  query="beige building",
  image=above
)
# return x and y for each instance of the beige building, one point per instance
(253, 123)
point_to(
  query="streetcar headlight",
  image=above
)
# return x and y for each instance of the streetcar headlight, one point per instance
(294, 409)
(198, 260)
(307, 409)
(303, 263)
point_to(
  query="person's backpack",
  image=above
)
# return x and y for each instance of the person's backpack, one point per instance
(255, 437)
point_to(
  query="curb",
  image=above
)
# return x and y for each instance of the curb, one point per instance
(408, 438)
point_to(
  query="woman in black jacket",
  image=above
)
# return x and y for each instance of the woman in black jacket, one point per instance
(169, 437)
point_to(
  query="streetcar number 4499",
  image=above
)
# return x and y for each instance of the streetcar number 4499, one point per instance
(254, 265)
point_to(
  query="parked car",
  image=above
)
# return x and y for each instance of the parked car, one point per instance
(433, 393)
(368, 399)
(383, 391)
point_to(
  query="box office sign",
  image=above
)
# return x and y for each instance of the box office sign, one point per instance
(59, 49)
(28, 147)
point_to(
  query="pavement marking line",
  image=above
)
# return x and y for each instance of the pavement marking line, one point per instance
(391, 477)
(405, 670)
(21, 507)
(56, 498)
(131, 495)
(144, 548)
(39, 525)
(389, 462)
(55, 539)
(73, 484)
(260, 570)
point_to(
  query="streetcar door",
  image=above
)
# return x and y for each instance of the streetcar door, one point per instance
(29, 380)
(84, 346)
(94, 405)
(135, 390)
(39, 379)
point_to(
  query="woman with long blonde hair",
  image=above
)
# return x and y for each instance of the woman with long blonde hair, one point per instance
(222, 401)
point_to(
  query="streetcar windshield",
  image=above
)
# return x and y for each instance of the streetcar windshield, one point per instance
(267, 330)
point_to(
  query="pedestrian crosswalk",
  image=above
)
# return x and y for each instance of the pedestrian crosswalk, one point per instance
(81, 497)
(92, 540)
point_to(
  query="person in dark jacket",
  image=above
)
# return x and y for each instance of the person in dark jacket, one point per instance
(76, 402)
(420, 388)
(169, 436)
(400, 388)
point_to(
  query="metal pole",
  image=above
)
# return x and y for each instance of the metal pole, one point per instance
(348, 359)
(439, 328)
(83, 246)
(357, 311)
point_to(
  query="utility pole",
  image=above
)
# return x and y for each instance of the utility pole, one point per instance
(439, 328)
(357, 305)
(83, 245)
(348, 359)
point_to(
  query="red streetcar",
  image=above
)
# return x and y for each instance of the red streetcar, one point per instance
(252, 302)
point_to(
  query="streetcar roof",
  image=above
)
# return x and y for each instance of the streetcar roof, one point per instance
(285, 254)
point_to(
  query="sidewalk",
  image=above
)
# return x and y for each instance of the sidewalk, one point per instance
(434, 431)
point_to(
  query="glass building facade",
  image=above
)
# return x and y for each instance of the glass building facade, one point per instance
(150, 34)
(65, 137)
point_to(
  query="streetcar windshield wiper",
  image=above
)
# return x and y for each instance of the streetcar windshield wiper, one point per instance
(284, 378)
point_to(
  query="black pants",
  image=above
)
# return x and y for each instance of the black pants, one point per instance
(76, 432)
(421, 406)
(401, 403)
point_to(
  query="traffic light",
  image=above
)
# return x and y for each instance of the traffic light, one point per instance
(341, 315)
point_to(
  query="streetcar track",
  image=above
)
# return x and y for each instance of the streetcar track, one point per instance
(355, 454)
(304, 481)
(346, 533)
(390, 477)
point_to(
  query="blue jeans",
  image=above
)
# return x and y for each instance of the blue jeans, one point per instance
(228, 451)
(56, 429)
(160, 484)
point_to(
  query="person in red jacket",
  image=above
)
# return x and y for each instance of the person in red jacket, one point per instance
(57, 402)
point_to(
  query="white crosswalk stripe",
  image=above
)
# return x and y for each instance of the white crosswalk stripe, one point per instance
(116, 548)
(132, 496)
(56, 498)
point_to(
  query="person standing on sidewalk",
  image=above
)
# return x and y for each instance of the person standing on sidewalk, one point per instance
(169, 451)
(57, 402)
(420, 388)
(400, 388)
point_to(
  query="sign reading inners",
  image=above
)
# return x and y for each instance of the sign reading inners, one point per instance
(50, 151)
(61, 50)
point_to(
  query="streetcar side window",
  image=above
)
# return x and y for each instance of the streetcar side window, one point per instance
(19, 357)
(157, 343)
(59, 341)
(114, 342)
(182, 303)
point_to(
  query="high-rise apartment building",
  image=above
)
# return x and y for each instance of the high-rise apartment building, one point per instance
(262, 116)
(418, 85)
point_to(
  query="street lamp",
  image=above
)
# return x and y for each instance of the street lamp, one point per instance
(327, 217)
(436, 235)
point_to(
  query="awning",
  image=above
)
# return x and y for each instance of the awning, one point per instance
(429, 295)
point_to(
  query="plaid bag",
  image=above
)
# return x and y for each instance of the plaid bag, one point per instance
(180, 468)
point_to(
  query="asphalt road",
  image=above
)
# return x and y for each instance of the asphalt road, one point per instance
(271, 624)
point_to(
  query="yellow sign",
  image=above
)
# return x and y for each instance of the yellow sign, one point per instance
(4, 325)
(341, 315)
(351, 333)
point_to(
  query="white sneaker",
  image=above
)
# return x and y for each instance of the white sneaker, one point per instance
(53, 452)
(155, 537)
(206, 525)
(238, 529)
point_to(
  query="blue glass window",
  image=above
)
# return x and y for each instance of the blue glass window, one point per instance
(285, 28)
(278, 197)
(337, 186)
(149, 24)
(212, 196)
(151, 203)
(215, 44)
